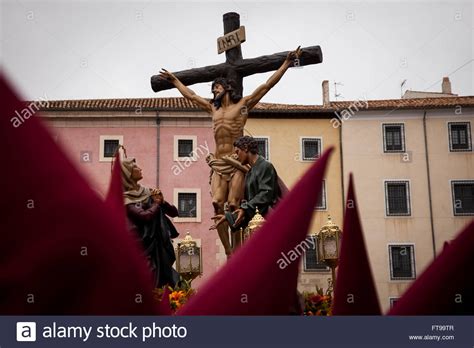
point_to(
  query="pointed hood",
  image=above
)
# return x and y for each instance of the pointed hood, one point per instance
(257, 280)
(114, 198)
(62, 250)
(165, 306)
(446, 287)
(355, 292)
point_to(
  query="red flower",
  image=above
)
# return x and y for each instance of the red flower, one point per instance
(316, 299)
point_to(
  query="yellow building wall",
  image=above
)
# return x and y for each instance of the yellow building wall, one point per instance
(362, 140)
(364, 156)
(444, 167)
(285, 154)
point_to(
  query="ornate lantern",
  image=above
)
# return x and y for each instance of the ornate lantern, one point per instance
(329, 244)
(189, 259)
(241, 236)
(257, 221)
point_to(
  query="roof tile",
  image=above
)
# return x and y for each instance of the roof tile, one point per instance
(182, 104)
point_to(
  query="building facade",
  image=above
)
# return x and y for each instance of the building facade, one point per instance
(412, 162)
(294, 139)
(413, 171)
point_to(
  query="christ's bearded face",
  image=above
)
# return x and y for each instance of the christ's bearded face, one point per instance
(218, 90)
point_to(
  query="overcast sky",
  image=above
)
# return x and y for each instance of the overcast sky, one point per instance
(109, 49)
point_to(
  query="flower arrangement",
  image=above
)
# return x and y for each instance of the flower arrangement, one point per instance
(178, 295)
(318, 303)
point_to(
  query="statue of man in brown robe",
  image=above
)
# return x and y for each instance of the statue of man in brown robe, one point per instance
(229, 115)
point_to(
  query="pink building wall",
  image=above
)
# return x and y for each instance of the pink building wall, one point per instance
(76, 136)
(196, 176)
(140, 143)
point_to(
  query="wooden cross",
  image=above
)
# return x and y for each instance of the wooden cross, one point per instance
(235, 67)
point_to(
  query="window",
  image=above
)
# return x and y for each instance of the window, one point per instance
(402, 262)
(321, 204)
(394, 137)
(459, 136)
(310, 148)
(463, 197)
(262, 143)
(108, 146)
(393, 301)
(397, 198)
(185, 148)
(188, 202)
(310, 260)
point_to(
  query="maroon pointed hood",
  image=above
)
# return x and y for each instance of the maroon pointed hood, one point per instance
(62, 250)
(446, 287)
(355, 292)
(114, 198)
(165, 305)
(258, 280)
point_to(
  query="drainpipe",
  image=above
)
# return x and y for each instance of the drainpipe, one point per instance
(429, 185)
(158, 131)
(342, 170)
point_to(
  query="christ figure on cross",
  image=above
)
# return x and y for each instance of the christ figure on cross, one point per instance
(229, 113)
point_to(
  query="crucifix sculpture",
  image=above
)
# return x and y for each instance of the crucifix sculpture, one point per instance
(235, 67)
(230, 110)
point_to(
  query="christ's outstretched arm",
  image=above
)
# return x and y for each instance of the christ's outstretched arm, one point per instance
(252, 100)
(185, 91)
